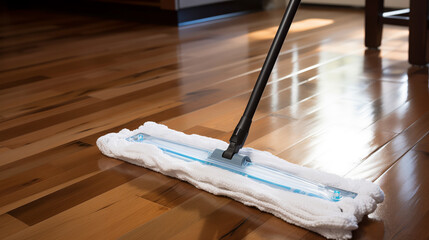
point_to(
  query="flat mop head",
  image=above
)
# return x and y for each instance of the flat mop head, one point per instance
(321, 202)
(242, 165)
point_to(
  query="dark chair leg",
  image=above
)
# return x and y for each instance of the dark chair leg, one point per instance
(418, 51)
(373, 23)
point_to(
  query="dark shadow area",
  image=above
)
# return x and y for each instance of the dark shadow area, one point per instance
(369, 228)
(215, 217)
(141, 12)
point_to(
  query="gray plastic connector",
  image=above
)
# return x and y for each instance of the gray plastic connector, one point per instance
(237, 159)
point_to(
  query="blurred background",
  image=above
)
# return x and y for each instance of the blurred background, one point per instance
(178, 12)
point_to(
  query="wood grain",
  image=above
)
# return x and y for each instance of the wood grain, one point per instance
(10, 225)
(332, 105)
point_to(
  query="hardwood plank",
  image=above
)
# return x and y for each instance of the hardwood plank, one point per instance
(23, 180)
(204, 131)
(403, 117)
(4, 149)
(75, 194)
(13, 141)
(404, 213)
(42, 158)
(22, 82)
(42, 193)
(372, 168)
(232, 221)
(10, 225)
(90, 108)
(25, 117)
(171, 194)
(275, 228)
(108, 215)
(89, 29)
(189, 212)
(8, 101)
(81, 129)
(423, 144)
(336, 149)
(41, 187)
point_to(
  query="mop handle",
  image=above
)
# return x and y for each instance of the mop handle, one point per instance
(240, 133)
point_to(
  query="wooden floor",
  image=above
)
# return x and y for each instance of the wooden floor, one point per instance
(331, 105)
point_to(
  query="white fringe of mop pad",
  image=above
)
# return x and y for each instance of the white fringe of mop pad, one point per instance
(334, 220)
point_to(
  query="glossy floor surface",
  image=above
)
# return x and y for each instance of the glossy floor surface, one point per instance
(330, 104)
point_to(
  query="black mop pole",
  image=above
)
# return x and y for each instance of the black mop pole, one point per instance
(239, 136)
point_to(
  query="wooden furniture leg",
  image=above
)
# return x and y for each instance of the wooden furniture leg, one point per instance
(418, 52)
(373, 23)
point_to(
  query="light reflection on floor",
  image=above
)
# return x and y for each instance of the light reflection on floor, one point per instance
(298, 26)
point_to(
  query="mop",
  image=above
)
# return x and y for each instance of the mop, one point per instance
(321, 202)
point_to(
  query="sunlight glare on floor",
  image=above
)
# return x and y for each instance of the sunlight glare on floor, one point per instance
(299, 26)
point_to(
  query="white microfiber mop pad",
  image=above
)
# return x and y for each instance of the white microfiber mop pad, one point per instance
(333, 220)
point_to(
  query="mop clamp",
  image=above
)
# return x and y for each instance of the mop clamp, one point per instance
(237, 160)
